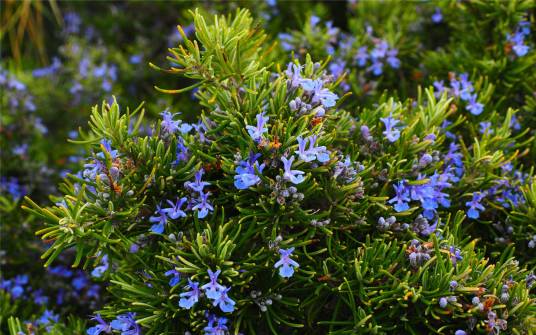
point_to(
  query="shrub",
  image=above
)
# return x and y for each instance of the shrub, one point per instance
(286, 209)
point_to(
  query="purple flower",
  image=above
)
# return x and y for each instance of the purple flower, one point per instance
(362, 56)
(460, 332)
(376, 68)
(304, 154)
(47, 318)
(439, 88)
(453, 284)
(160, 220)
(319, 93)
(168, 125)
(197, 185)
(485, 127)
(518, 39)
(473, 106)
(256, 132)
(182, 152)
(216, 329)
(321, 154)
(39, 297)
(286, 41)
(175, 277)
(222, 300)
(455, 255)
(294, 176)
(126, 324)
(212, 287)
(285, 264)
(437, 17)
(293, 73)
(135, 59)
(246, 173)
(380, 50)
(202, 205)
(101, 327)
(392, 60)
(175, 212)
(189, 298)
(314, 152)
(391, 133)
(314, 20)
(401, 198)
(99, 270)
(474, 205)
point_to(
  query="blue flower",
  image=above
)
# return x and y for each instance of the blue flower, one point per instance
(181, 152)
(247, 172)
(175, 212)
(294, 176)
(168, 125)
(80, 281)
(222, 300)
(175, 277)
(453, 284)
(189, 298)
(47, 318)
(485, 127)
(473, 106)
(304, 154)
(286, 41)
(319, 93)
(362, 56)
(293, 73)
(474, 205)
(314, 152)
(437, 17)
(401, 198)
(160, 220)
(202, 205)
(443, 302)
(212, 287)
(314, 20)
(392, 60)
(455, 255)
(460, 332)
(99, 270)
(216, 329)
(439, 88)
(321, 154)
(101, 327)
(135, 59)
(285, 264)
(126, 324)
(49, 70)
(380, 50)
(256, 132)
(517, 40)
(391, 133)
(197, 185)
(39, 298)
(376, 68)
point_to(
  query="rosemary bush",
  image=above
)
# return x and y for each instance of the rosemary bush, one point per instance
(290, 206)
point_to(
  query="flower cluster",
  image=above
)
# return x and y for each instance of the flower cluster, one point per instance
(124, 324)
(516, 40)
(461, 88)
(375, 56)
(214, 291)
